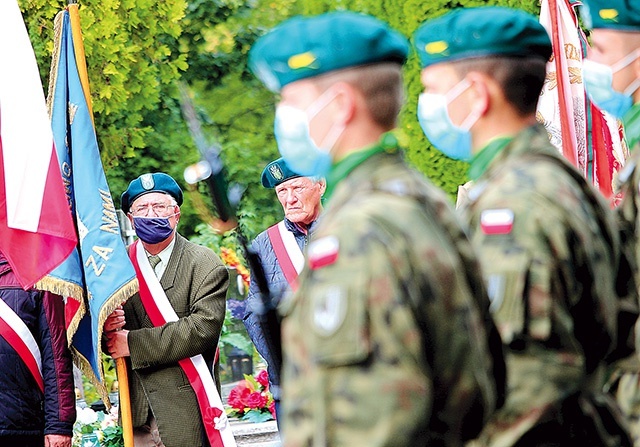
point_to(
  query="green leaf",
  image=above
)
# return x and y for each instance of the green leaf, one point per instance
(257, 416)
(255, 386)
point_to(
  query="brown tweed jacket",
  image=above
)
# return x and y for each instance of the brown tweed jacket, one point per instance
(195, 281)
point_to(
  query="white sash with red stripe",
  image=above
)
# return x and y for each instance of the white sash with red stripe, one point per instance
(287, 251)
(160, 312)
(18, 335)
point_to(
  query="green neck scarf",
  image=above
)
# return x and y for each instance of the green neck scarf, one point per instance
(483, 159)
(631, 122)
(387, 143)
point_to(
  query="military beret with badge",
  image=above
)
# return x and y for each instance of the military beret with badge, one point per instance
(277, 172)
(150, 182)
(304, 47)
(620, 15)
(466, 33)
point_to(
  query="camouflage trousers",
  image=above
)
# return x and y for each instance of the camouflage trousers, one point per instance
(625, 387)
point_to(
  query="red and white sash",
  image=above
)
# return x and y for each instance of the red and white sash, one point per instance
(18, 335)
(160, 312)
(287, 251)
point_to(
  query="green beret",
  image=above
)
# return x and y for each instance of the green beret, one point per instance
(622, 15)
(303, 47)
(277, 172)
(146, 183)
(478, 32)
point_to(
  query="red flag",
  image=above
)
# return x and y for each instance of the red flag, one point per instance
(36, 228)
(580, 131)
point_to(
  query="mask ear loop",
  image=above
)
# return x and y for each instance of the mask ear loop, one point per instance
(452, 94)
(320, 103)
(628, 59)
(632, 87)
(457, 90)
(330, 140)
(470, 120)
(332, 137)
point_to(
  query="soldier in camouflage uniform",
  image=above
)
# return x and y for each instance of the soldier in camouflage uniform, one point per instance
(548, 244)
(388, 340)
(612, 79)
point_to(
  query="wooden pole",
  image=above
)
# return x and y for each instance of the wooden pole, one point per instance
(125, 402)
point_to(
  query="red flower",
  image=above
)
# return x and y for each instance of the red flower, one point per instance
(263, 378)
(256, 400)
(272, 409)
(238, 397)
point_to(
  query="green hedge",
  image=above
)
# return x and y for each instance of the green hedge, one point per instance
(406, 16)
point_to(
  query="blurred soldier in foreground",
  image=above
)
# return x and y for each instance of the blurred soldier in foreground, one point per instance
(280, 250)
(547, 242)
(612, 78)
(387, 340)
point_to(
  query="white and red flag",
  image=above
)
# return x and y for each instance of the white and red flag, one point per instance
(37, 232)
(588, 138)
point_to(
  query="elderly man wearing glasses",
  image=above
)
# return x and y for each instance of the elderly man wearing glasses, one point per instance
(177, 315)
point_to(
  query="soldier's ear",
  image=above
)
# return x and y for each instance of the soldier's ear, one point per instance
(346, 99)
(482, 90)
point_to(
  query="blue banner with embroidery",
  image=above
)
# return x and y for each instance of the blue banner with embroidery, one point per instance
(99, 273)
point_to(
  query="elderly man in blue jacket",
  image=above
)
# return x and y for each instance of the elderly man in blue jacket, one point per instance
(280, 249)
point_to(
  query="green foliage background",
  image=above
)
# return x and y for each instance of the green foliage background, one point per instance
(137, 49)
(406, 16)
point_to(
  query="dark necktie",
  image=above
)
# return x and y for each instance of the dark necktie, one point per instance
(154, 260)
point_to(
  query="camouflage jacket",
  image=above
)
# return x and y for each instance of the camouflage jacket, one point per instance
(549, 250)
(629, 180)
(387, 341)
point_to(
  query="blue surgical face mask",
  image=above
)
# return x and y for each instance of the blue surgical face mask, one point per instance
(598, 82)
(294, 140)
(152, 230)
(453, 141)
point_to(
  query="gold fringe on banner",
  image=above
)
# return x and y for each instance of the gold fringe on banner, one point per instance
(115, 300)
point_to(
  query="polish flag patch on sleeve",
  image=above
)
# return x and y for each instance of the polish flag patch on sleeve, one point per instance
(497, 221)
(323, 252)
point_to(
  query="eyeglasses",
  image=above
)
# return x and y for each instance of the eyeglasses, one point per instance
(159, 209)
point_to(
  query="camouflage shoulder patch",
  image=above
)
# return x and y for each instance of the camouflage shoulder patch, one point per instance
(323, 252)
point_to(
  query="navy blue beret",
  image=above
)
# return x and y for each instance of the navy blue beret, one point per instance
(150, 182)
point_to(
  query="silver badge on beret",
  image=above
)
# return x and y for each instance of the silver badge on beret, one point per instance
(276, 172)
(147, 181)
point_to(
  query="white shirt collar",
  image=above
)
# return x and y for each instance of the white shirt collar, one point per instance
(164, 257)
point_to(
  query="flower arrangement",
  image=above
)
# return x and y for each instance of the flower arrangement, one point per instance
(97, 429)
(230, 258)
(251, 399)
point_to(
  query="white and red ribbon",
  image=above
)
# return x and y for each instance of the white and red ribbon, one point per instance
(18, 335)
(287, 251)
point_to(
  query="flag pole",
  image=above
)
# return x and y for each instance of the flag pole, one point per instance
(124, 398)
